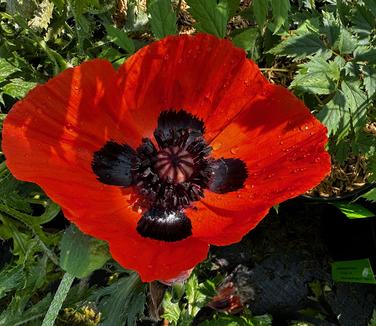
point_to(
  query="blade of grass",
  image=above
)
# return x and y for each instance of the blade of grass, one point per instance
(58, 300)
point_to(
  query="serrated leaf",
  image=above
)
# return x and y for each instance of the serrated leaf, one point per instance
(43, 15)
(260, 10)
(356, 101)
(171, 310)
(162, 18)
(364, 22)
(211, 17)
(370, 195)
(369, 80)
(335, 116)
(317, 76)
(81, 6)
(364, 53)
(11, 277)
(120, 38)
(6, 69)
(122, 302)
(352, 210)
(81, 254)
(299, 46)
(18, 87)
(331, 27)
(346, 42)
(280, 9)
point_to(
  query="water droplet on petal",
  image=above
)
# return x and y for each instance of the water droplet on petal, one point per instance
(234, 150)
(216, 146)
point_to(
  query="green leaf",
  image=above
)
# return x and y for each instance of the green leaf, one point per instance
(364, 22)
(370, 195)
(6, 69)
(171, 310)
(43, 15)
(57, 302)
(122, 302)
(364, 53)
(11, 277)
(335, 116)
(299, 46)
(371, 5)
(369, 80)
(233, 7)
(18, 88)
(346, 42)
(211, 17)
(356, 101)
(196, 299)
(280, 9)
(162, 18)
(244, 320)
(317, 76)
(353, 211)
(372, 322)
(247, 39)
(81, 254)
(260, 10)
(120, 38)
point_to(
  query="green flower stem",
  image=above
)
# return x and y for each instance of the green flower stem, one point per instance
(58, 300)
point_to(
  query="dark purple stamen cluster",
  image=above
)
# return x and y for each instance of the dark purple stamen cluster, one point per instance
(170, 175)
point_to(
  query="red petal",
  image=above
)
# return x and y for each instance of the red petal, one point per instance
(202, 74)
(49, 138)
(283, 146)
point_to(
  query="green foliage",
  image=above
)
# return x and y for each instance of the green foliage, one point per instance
(211, 17)
(260, 9)
(244, 320)
(370, 195)
(122, 302)
(120, 38)
(248, 40)
(335, 49)
(57, 302)
(81, 254)
(163, 18)
(280, 9)
(317, 76)
(352, 210)
(180, 311)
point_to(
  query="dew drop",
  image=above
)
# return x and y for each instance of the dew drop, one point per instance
(317, 159)
(247, 83)
(281, 142)
(234, 150)
(216, 146)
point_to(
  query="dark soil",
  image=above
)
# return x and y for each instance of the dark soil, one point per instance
(285, 264)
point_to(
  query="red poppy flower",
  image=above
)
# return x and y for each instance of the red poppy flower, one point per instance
(186, 145)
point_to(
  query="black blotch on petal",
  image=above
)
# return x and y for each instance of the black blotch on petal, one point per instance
(171, 121)
(113, 164)
(166, 226)
(229, 174)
